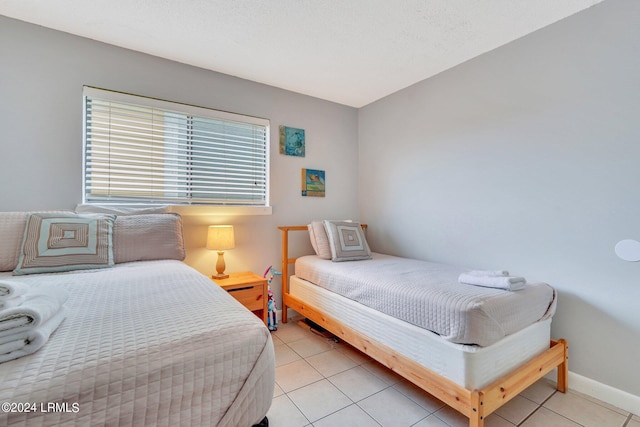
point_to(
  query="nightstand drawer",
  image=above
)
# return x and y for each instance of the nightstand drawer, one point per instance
(249, 295)
(249, 289)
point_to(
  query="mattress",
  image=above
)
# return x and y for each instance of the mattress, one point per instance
(144, 343)
(469, 366)
(428, 295)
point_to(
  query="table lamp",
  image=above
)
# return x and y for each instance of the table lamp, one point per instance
(220, 238)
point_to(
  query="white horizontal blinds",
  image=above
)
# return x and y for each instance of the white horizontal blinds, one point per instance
(137, 153)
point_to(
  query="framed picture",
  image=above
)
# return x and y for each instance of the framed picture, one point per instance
(312, 183)
(291, 141)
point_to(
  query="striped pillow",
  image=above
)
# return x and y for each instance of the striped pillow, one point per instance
(55, 242)
(12, 225)
(347, 241)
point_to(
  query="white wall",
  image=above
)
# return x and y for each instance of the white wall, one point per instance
(41, 77)
(526, 159)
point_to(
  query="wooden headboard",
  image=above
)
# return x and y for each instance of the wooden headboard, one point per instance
(286, 261)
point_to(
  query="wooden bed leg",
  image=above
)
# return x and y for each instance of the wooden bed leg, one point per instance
(476, 417)
(285, 271)
(563, 369)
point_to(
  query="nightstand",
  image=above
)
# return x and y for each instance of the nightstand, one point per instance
(249, 289)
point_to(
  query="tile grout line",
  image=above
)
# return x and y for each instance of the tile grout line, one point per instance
(323, 378)
(539, 406)
(557, 413)
(629, 417)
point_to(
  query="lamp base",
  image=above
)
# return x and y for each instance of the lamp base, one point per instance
(220, 267)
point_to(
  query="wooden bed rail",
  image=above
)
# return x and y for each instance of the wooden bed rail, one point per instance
(474, 404)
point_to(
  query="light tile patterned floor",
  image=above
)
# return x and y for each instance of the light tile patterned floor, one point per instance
(322, 383)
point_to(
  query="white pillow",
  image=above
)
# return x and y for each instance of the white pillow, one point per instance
(319, 239)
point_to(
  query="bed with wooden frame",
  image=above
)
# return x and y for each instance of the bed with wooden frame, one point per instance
(476, 404)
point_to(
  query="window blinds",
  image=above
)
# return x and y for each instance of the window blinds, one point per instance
(143, 150)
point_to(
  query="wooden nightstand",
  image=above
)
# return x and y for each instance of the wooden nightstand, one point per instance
(249, 289)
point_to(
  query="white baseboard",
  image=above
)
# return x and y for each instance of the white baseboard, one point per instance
(613, 396)
(608, 394)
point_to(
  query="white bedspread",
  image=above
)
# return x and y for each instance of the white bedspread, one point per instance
(146, 343)
(429, 295)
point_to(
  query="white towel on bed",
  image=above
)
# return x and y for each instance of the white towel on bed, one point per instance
(508, 283)
(11, 302)
(30, 341)
(40, 304)
(488, 273)
(11, 289)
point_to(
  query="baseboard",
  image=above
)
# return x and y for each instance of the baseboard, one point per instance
(613, 396)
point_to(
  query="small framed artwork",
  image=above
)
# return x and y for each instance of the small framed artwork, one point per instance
(312, 183)
(292, 141)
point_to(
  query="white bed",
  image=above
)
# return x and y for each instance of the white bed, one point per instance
(470, 366)
(147, 340)
(145, 343)
(473, 380)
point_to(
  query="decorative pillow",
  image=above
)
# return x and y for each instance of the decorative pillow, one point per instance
(319, 239)
(12, 226)
(56, 242)
(148, 237)
(347, 241)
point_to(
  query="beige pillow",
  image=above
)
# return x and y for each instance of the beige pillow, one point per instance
(55, 242)
(148, 237)
(319, 239)
(12, 226)
(347, 241)
(11, 232)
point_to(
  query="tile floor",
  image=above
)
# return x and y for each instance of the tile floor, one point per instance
(321, 383)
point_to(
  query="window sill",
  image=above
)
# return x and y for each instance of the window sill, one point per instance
(220, 210)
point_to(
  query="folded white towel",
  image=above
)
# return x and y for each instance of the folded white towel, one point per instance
(509, 283)
(28, 342)
(11, 289)
(488, 273)
(11, 302)
(39, 305)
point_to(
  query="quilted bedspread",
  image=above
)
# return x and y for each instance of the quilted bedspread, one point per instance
(428, 295)
(144, 343)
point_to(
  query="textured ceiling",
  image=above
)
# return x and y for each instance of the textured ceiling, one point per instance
(348, 51)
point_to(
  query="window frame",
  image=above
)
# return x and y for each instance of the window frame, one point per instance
(185, 207)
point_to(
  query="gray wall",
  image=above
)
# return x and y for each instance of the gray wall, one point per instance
(526, 159)
(41, 77)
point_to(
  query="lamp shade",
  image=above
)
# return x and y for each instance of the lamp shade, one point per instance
(220, 237)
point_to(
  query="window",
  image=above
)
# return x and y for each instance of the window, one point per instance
(141, 150)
